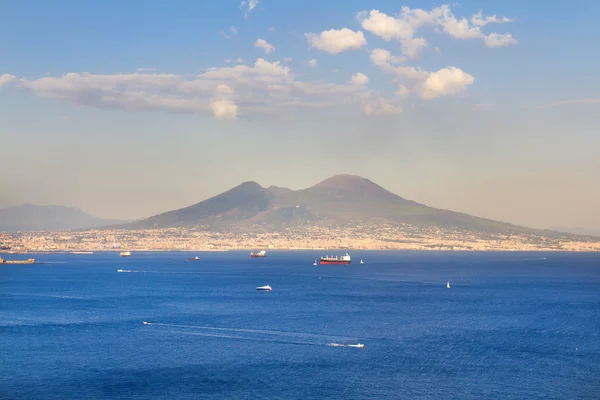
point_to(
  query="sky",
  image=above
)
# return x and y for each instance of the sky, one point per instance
(130, 109)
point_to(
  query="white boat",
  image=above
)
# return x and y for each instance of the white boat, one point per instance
(315, 263)
(361, 261)
(448, 284)
(125, 254)
(266, 287)
(360, 345)
(120, 270)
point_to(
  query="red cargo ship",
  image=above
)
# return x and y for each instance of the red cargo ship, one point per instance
(336, 259)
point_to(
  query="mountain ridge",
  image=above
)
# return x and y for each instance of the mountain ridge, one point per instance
(32, 217)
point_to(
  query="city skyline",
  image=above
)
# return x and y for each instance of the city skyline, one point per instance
(130, 110)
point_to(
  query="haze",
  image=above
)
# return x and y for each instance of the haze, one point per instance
(127, 110)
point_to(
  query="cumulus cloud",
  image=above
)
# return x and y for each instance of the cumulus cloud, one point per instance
(248, 5)
(6, 79)
(359, 79)
(428, 85)
(445, 82)
(403, 27)
(224, 109)
(312, 63)
(336, 41)
(266, 46)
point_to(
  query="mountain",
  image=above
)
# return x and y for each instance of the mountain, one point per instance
(342, 199)
(577, 230)
(30, 217)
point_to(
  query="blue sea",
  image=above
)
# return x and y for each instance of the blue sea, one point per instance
(512, 326)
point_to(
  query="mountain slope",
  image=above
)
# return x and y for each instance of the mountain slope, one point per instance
(30, 217)
(238, 204)
(342, 199)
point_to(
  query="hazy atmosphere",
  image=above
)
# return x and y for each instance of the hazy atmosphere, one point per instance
(127, 110)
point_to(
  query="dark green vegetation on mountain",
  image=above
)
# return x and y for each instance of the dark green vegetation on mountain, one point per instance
(340, 200)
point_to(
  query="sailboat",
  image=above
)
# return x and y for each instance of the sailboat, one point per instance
(448, 284)
(361, 261)
(315, 263)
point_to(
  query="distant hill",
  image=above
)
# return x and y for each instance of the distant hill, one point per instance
(30, 217)
(342, 199)
(577, 231)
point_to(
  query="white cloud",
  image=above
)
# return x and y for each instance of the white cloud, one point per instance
(248, 5)
(477, 19)
(146, 69)
(287, 59)
(384, 26)
(428, 85)
(403, 27)
(228, 61)
(263, 44)
(226, 36)
(239, 60)
(6, 79)
(312, 63)
(359, 79)
(264, 88)
(224, 109)
(445, 82)
(336, 41)
(498, 40)
(234, 30)
(271, 29)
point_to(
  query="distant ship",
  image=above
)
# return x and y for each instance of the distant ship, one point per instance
(336, 259)
(194, 258)
(361, 261)
(266, 287)
(28, 261)
(448, 284)
(261, 253)
(125, 254)
(315, 263)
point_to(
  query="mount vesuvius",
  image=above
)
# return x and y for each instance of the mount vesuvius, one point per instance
(337, 201)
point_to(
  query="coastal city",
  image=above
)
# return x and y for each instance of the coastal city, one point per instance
(368, 237)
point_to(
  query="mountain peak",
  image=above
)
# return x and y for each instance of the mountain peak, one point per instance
(347, 182)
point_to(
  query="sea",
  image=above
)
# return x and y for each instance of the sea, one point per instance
(512, 325)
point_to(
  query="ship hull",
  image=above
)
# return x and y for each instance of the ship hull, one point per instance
(255, 256)
(325, 262)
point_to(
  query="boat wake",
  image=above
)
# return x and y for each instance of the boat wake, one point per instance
(260, 335)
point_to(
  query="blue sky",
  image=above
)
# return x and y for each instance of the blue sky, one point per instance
(127, 109)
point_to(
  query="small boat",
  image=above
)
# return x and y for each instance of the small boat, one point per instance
(448, 284)
(260, 254)
(266, 287)
(120, 270)
(193, 258)
(359, 345)
(361, 261)
(315, 263)
(145, 323)
(125, 254)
